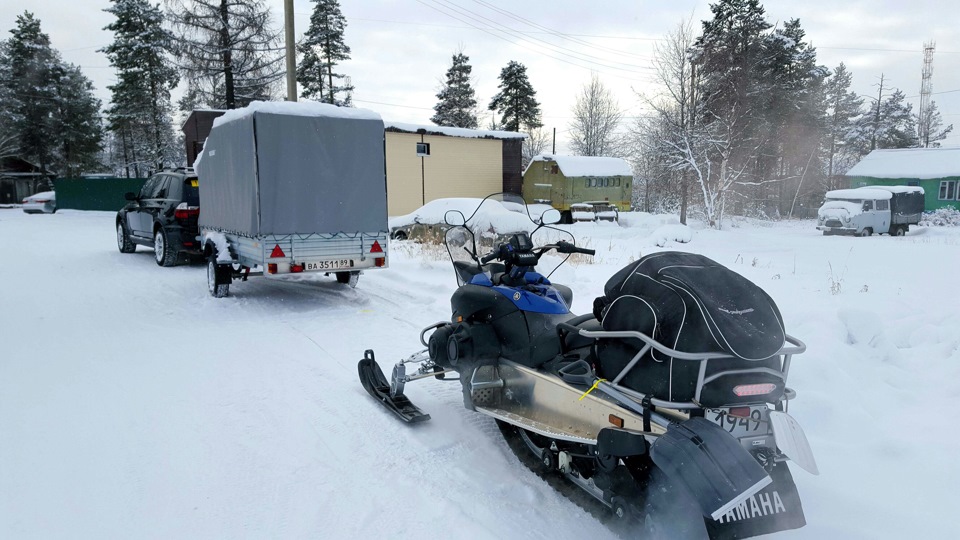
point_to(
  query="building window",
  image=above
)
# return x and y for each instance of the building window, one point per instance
(423, 149)
(948, 190)
(554, 169)
(883, 205)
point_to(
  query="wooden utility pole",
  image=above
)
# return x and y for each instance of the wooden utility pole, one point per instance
(291, 50)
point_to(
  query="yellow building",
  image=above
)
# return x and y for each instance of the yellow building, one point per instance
(426, 162)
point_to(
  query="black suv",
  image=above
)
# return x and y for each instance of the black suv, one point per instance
(163, 216)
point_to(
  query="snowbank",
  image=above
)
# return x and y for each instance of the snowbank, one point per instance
(672, 233)
(492, 216)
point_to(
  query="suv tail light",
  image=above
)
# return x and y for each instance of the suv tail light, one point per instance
(183, 211)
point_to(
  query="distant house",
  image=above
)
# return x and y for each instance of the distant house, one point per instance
(424, 162)
(19, 179)
(936, 170)
(562, 181)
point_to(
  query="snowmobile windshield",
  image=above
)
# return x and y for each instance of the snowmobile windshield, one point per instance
(495, 220)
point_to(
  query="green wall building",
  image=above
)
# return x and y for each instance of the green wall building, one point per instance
(936, 170)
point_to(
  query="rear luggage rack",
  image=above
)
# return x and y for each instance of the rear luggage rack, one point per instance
(793, 346)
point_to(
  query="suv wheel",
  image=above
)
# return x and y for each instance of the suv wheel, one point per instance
(123, 240)
(163, 252)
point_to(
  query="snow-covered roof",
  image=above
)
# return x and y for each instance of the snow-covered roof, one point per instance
(898, 189)
(586, 165)
(860, 193)
(920, 163)
(296, 108)
(454, 131)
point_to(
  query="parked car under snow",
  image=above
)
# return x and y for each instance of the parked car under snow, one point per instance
(428, 223)
(41, 203)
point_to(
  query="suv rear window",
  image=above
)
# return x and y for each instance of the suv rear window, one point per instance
(191, 193)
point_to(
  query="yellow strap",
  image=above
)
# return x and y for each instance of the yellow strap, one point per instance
(592, 388)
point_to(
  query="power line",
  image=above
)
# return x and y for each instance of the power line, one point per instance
(491, 30)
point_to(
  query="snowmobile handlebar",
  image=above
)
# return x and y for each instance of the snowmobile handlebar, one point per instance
(530, 257)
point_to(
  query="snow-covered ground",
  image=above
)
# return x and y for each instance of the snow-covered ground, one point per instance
(134, 405)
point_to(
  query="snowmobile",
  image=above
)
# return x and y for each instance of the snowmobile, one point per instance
(665, 408)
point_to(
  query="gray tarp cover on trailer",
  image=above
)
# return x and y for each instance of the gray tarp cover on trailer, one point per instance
(294, 168)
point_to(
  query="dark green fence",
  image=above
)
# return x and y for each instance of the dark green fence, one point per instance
(94, 193)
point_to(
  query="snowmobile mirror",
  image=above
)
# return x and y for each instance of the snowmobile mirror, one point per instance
(454, 218)
(550, 216)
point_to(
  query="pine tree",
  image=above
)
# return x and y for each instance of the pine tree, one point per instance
(228, 52)
(843, 108)
(33, 70)
(49, 107)
(77, 123)
(930, 128)
(322, 49)
(457, 106)
(516, 101)
(140, 114)
(889, 124)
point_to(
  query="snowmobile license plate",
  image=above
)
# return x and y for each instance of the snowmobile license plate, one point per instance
(739, 425)
(335, 264)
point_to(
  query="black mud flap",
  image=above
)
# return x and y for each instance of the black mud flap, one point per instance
(775, 508)
(373, 381)
(706, 460)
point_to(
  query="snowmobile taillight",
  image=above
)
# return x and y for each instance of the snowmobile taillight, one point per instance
(616, 420)
(379, 262)
(754, 389)
(376, 247)
(277, 253)
(271, 268)
(296, 268)
(739, 412)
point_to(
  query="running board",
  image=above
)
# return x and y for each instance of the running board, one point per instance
(545, 404)
(717, 472)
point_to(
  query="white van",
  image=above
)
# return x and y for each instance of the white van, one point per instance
(874, 209)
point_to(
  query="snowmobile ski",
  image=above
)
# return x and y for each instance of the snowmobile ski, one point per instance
(375, 383)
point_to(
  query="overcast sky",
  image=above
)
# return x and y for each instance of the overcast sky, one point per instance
(401, 49)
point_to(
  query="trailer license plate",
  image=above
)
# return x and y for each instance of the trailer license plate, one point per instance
(335, 264)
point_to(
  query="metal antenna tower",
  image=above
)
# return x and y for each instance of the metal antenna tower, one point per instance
(926, 89)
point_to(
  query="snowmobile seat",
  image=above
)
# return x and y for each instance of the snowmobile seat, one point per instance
(573, 341)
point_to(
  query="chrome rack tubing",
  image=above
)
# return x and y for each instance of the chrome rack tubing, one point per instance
(605, 334)
(633, 362)
(433, 326)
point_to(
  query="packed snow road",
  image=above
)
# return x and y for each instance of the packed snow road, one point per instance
(134, 405)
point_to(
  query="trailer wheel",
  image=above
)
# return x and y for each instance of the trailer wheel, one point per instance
(348, 278)
(218, 277)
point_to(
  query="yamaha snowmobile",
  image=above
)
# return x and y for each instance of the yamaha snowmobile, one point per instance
(665, 408)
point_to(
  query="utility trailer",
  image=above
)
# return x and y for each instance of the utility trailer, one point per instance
(290, 188)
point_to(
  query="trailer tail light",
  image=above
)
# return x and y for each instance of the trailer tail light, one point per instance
(272, 268)
(277, 253)
(182, 211)
(296, 268)
(376, 247)
(754, 389)
(379, 262)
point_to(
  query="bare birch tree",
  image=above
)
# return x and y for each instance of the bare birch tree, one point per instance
(596, 116)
